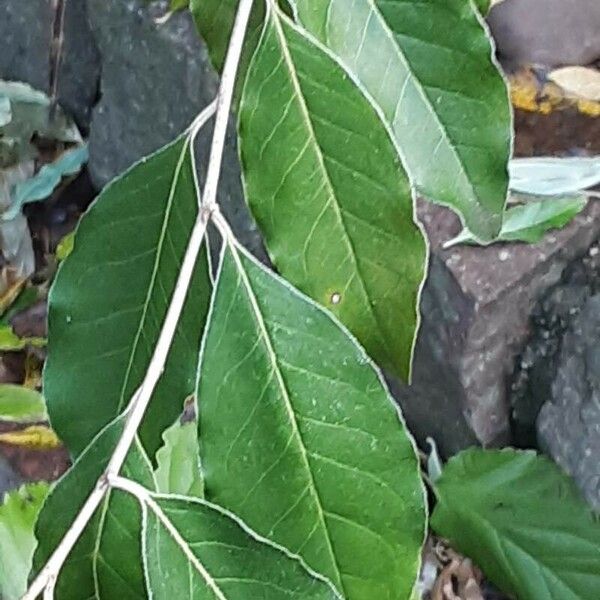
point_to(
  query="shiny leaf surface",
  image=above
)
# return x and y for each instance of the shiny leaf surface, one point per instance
(300, 438)
(110, 297)
(326, 187)
(429, 67)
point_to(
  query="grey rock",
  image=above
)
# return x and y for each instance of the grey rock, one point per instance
(536, 367)
(548, 32)
(156, 77)
(25, 41)
(475, 322)
(569, 423)
(9, 480)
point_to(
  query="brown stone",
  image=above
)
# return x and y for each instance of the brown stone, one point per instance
(476, 307)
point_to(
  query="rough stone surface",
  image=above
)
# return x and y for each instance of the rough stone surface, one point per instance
(537, 365)
(8, 478)
(559, 373)
(548, 32)
(569, 423)
(476, 307)
(25, 39)
(156, 77)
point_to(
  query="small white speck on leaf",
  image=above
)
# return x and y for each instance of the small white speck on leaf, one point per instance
(336, 298)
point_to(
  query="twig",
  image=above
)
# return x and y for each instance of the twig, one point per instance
(141, 398)
(57, 41)
(224, 99)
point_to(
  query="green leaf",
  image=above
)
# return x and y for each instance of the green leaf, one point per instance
(65, 246)
(326, 187)
(105, 562)
(523, 521)
(18, 514)
(483, 6)
(529, 222)
(43, 183)
(110, 297)
(178, 4)
(11, 342)
(551, 176)
(196, 550)
(429, 67)
(18, 403)
(178, 470)
(300, 438)
(214, 20)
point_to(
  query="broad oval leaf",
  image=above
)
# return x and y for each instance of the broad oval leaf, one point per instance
(529, 222)
(18, 513)
(523, 521)
(105, 563)
(195, 550)
(110, 297)
(300, 438)
(429, 67)
(325, 184)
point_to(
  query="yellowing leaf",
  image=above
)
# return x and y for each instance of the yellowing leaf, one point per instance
(35, 437)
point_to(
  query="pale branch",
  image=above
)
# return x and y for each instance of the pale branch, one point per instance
(45, 581)
(147, 502)
(234, 52)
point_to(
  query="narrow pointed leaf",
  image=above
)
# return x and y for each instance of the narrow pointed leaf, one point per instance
(18, 513)
(300, 438)
(110, 298)
(105, 562)
(212, 556)
(178, 470)
(325, 184)
(551, 176)
(523, 521)
(529, 222)
(429, 67)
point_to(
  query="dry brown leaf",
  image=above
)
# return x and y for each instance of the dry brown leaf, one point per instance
(459, 579)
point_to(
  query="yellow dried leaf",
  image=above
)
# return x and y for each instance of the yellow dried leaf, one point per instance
(35, 437)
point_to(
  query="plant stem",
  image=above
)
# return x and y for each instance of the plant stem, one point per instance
(224, 99)
(140, 400)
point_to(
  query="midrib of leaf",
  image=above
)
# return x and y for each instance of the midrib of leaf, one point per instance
(391, 36)
(264, 335)
(148, 502)
(105, 506)
(275, 18)
(153, 277)
(96, 554)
